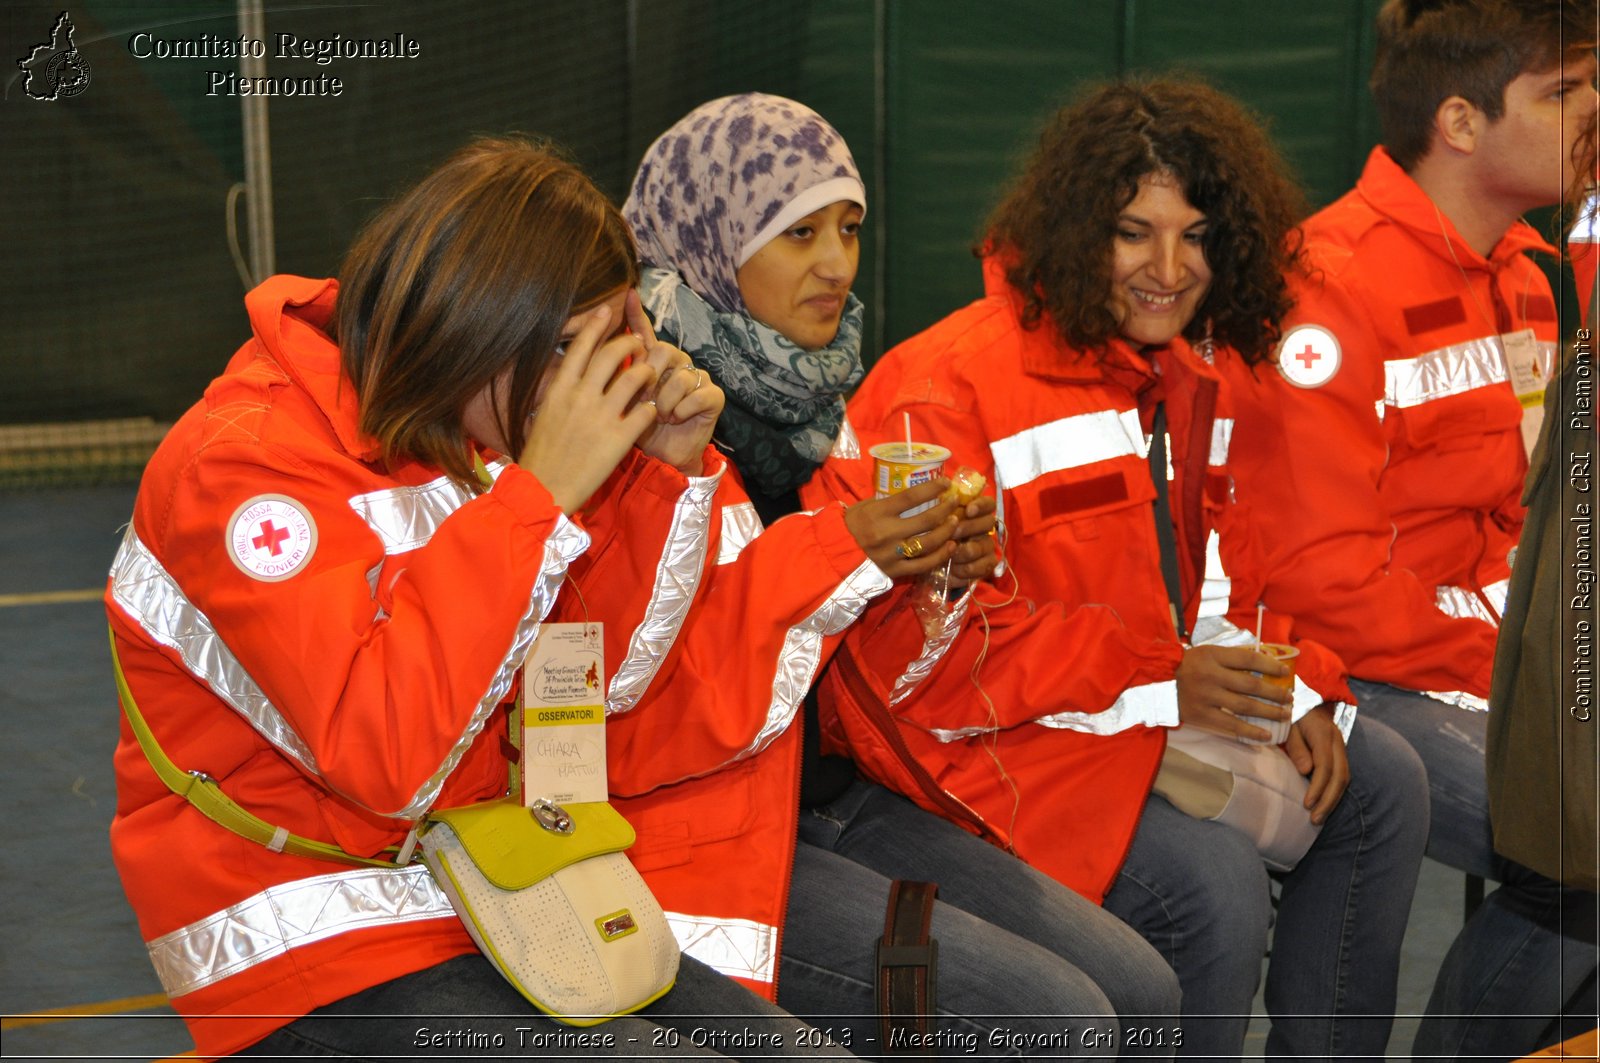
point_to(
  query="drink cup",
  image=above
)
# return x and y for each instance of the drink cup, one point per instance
(897, 467)
(1279, 729)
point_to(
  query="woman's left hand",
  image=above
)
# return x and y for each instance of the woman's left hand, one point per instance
(977, 553)
(687, 401)
(1317, 749)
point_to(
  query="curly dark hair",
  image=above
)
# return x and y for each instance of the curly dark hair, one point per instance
(1056, 226)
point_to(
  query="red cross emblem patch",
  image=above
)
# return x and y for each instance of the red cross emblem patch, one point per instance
(271, 537)
(1308, 356)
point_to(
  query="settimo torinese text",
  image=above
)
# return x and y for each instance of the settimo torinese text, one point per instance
(284, 46)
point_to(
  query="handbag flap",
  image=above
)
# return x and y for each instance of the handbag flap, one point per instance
(513, 851)
(1194, 787)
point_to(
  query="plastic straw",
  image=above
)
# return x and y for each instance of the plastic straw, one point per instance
(1261, 609)
(907, 415)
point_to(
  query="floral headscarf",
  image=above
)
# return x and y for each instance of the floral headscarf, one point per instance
(711, 192)
(727, 178)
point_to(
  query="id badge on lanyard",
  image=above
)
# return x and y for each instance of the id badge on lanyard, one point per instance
(562, 729)
(1526, 371)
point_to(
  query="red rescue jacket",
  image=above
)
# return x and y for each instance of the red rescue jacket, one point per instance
(335, 642)
(1039, 720)
(1386, 486)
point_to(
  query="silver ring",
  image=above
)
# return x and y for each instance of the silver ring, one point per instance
(698, 380)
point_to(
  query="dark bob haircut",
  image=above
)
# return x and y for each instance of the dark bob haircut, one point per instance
(465, 283)
(1056, 226)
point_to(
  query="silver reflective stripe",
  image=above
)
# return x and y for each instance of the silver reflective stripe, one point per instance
(740, 525)
(1462, 604)
(288, 916)
(1460, 699)
(1070, 443)
(1344, 718)
(1497, 593)
(1151, 705)
(801, 653)
(683, 561)
(1216, 589)
(739, 948)
(845, 444)
(563, 545)
(1305, 699)
(933, 648)
(1166, 452)
(1452, 370)
(150, 596)
(153, 599)
(405, 518)
(1221, 439)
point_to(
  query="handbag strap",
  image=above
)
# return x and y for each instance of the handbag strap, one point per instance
(1166, 536)
(907, 967)
(202, 791)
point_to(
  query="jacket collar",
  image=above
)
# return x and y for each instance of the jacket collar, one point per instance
(1390, 191)
(291, 318)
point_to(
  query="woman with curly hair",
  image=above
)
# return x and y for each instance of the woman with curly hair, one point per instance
(1145, 241)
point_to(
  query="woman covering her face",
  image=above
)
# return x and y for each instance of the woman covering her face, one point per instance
(1144, 241)
(747, 213)
(337, 562)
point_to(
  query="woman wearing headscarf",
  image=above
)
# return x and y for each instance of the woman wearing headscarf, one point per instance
(746, 213)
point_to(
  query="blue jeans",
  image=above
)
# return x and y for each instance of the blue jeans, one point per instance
(1531, 945)
(1199, 892)
(463, 1007)
(1020, 955)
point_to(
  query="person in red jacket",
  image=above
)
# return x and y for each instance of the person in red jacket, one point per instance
(1383, 459)
(1141, 248)
(747, 212)
(338, 560)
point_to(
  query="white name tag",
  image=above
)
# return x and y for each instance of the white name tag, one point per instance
(1527, 374)
(563, 727)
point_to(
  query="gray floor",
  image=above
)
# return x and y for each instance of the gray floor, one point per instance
(71, 942)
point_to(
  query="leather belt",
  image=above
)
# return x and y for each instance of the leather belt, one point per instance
(907, 968)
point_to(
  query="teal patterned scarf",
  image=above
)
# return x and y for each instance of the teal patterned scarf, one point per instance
(785, 403)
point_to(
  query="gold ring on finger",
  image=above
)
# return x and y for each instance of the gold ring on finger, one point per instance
(910, 548)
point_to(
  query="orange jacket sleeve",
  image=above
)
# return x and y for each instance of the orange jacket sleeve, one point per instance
(1306, 463)
(377, 665)
(766, 619)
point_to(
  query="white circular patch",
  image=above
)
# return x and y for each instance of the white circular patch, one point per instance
(271, 537)
(1308, 356)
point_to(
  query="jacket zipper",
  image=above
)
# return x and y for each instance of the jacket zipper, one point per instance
(877, 715)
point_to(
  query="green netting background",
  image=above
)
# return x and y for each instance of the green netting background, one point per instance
(120, 297)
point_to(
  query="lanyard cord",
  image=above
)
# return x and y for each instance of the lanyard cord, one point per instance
(1166, 536)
